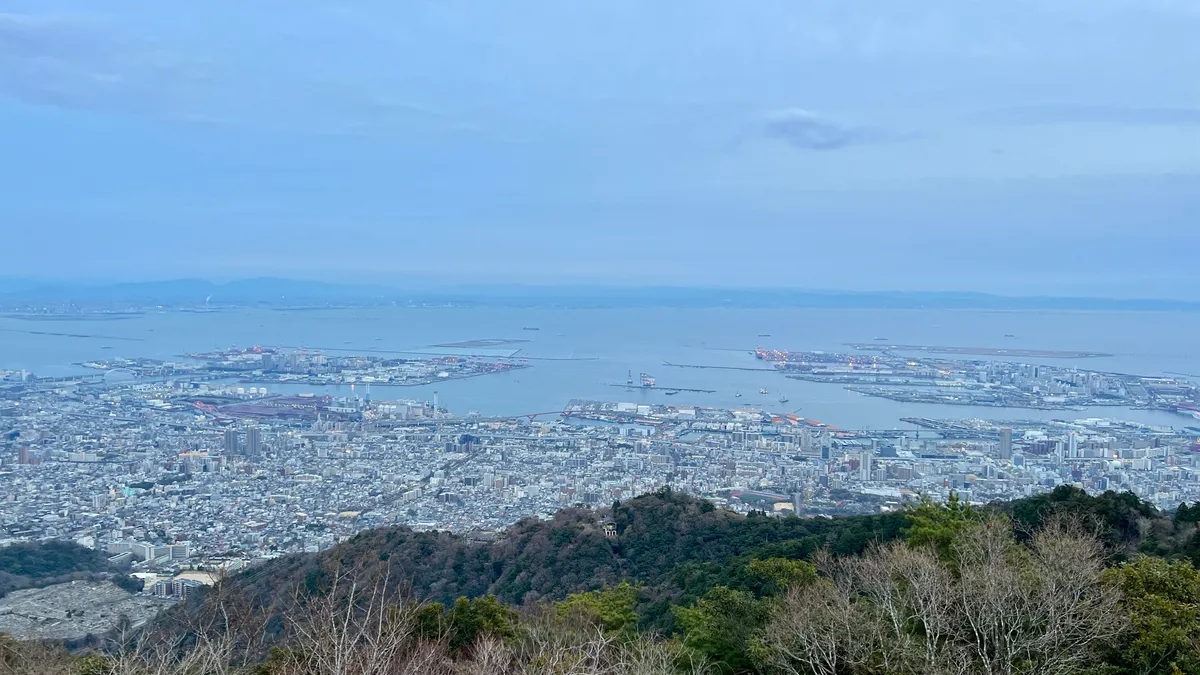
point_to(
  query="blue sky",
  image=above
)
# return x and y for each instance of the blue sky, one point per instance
(1008, 146)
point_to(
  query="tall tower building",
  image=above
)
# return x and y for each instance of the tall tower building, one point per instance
(864, 466)
(253, 441)
(1072, 445)
(23, 455)
(1006, 443)
(231, 441)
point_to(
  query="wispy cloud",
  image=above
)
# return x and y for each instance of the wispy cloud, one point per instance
(73, 63)
(807, 130)
(84, 63)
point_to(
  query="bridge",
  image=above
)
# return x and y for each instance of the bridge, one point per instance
(69, 378)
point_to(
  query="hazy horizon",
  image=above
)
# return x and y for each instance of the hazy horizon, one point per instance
(260, 291)
(1012, 148)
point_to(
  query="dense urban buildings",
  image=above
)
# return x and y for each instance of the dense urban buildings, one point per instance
(175, 469)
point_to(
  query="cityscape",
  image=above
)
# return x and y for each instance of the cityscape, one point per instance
(185, 469)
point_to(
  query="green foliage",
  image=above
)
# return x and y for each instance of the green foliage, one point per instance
(49, 559)
(1162, 598)
(94, 664)
(1187, 514)
(128, 582)
(1119, 515)
(468, 620)
(938, 526)
(614, 610)
(681, 566)
(672, 546)
(431, 621)
(711, 578)
(34, 564)
(720, 627)
(782, 574)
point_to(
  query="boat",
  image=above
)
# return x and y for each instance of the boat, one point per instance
(1009, 335)
(738, 395)
(106, 347)
(764, 335)
(881, 339)
(763, 391)
(531, 328)
(783, 399)
(671, 393)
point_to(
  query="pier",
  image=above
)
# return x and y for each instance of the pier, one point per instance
(633, 387)
(690, 365)
(977, 351)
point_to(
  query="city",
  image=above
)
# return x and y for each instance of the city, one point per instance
(171, 472)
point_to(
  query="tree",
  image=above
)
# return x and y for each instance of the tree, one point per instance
(720, 625)
(1044, 610)
(995, 607)
(1186, 516)
(33, 658)
(469, 620)
(939, 526)
(910, 606)
(782, 574)
(814, 631)
(613, 610)
(1162, 600)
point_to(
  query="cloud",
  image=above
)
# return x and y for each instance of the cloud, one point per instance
(83, 63)
(808, 131)
(1085, 114)
(73, 63)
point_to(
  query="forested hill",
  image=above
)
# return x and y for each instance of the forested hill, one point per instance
(665, 539)
(675, 546)
(36, 564)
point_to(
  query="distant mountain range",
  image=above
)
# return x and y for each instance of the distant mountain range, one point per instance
(16, 295)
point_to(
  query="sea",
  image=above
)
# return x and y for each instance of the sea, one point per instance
(590, 353)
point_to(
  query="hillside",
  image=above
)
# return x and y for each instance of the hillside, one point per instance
(37, 564)
(667, 541)
(675, 547)
(1059, 583)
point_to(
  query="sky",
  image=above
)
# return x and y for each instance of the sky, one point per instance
(1021, 147)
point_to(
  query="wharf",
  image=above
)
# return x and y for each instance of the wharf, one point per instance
(514, 355)
(978, 351)
(689, 365)
(664, 388)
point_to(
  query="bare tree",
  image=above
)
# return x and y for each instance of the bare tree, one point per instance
(1075, 610)
(358, 629)
(220, 636)
(32, 658)
(1003, 609)
(1039, 610)
(548, 646)
(908, 597)
(817, 629)
(992, 598)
